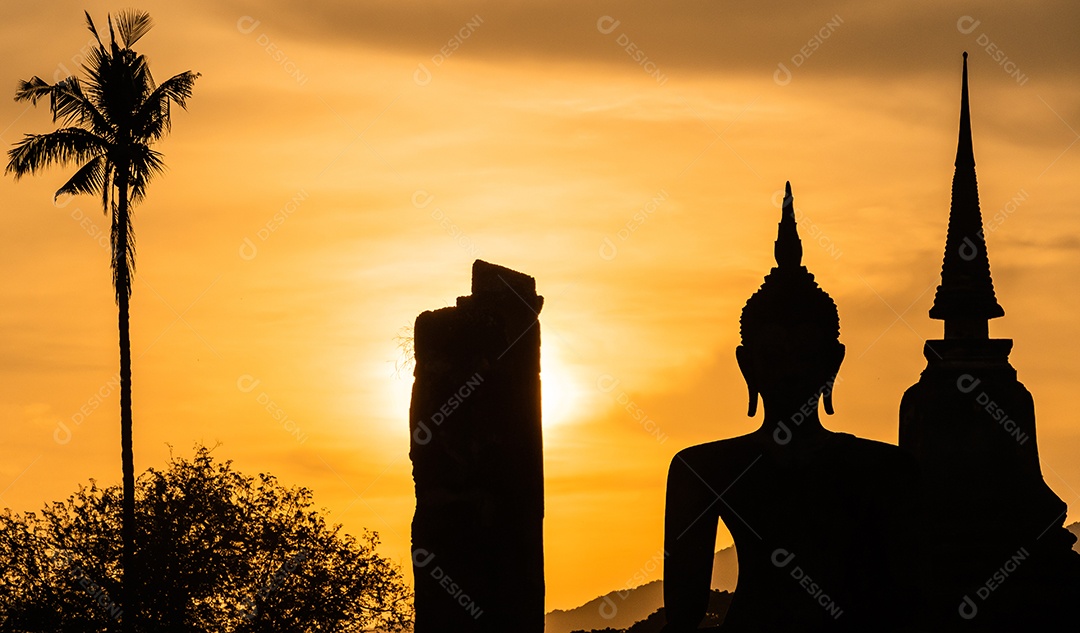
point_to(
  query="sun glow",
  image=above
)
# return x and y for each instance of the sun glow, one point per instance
(561, 395)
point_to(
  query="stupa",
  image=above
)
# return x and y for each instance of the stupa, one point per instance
(996, 554)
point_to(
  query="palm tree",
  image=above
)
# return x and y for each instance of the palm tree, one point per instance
(108, 125)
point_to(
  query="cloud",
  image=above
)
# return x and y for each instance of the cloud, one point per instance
(701, 37)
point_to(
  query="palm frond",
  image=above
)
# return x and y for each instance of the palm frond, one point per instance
(71, 106)
(96, 68)
(93, 29)
(112, 34)
(91, 178)
(66, 145)
(107, 194)
(177, 88)
(143, 83)
(145, 164)
(132, 25)
(67, 103)
(153, 120)
(33, 90)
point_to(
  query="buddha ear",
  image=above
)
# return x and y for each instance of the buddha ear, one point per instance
(742, 355)
(826, 395)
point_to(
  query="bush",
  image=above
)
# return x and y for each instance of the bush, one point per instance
(219, 552)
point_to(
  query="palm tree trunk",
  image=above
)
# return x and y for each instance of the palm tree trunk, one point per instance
(129, 589)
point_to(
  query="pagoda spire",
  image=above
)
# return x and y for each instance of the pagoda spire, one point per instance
(965, 155)
(788, 247)
(965, 299)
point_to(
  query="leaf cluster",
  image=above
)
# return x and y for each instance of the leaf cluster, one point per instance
(217, 551)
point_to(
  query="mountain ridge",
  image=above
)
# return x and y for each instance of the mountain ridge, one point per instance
(623, 608)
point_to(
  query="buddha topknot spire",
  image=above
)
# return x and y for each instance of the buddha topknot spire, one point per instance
(788, 248)
(965, 299)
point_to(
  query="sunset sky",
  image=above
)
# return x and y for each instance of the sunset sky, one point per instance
(342, 164)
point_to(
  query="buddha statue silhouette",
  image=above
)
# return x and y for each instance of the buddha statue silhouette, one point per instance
(820, 519)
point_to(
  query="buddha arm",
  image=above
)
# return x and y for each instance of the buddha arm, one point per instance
(689, 538)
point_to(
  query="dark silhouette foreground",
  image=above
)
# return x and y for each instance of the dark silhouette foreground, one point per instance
(477, 454)
(228, 553)
(954, 531)
(818, 517)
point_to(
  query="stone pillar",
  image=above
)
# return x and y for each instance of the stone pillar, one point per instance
(477, 454)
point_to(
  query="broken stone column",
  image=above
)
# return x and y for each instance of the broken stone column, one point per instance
(477, 454)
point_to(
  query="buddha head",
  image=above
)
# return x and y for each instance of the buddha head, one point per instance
(790, 328)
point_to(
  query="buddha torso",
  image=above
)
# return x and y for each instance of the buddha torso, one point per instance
(814, 523)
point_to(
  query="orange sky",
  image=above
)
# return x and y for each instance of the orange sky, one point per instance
(530, 140)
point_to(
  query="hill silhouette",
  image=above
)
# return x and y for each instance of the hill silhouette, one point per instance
(621, 609)
(719, 601)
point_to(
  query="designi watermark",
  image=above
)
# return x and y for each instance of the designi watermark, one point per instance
(247, 25)
(90, 585)
(781, 558)
(608, 248)
(247, 384)
(968, 383)
(968, 608)
(423, 75)
(606, 383)
(421, 199)
(607, 25)
(273, 583)
(248, 248)
(422, 433)
(967, 25)
(422, 558)
(809, 231)
(782, 75)
(608, 608)
(783, 434)
(968, 250)
(62, 433)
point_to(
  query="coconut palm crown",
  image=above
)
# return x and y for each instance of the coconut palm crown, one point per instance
(110, 120)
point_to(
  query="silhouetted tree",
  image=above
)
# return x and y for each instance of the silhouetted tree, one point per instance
(229, 553)
(110, 122)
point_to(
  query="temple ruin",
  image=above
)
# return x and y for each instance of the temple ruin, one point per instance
(476, 449)
(997, 556)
